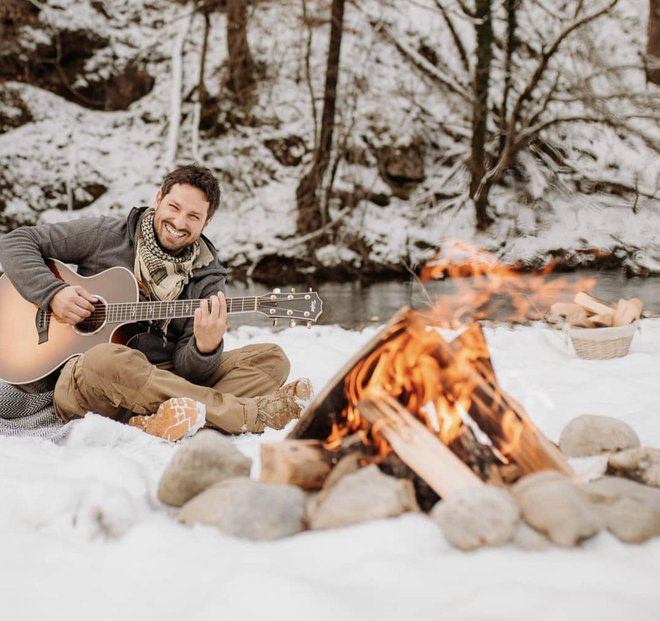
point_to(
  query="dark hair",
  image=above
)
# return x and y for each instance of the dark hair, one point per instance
(197, 176)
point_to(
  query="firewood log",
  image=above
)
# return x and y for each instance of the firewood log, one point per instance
(415, 444)
(304, 463)
(627, 311)
(593, 304)
(603, 320)
(574, 314)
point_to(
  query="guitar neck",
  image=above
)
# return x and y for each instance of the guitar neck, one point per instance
(172, 309)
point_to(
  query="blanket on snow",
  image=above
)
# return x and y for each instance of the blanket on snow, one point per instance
(30, 414)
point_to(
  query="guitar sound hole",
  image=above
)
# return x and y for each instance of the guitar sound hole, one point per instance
(95, 321)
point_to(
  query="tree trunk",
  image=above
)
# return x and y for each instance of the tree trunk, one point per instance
(478, 159)
(311, 215)
(241, 66)
(511, 8)
(201, 87)
(653, 43)
(14, 14)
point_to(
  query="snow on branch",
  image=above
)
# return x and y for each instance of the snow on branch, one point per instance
(421, 63)
(549, 51)
(515, 140)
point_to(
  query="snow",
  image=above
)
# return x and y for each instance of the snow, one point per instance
(83, 535)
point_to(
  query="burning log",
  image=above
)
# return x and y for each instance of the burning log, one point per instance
(502, 419)
(416, 445)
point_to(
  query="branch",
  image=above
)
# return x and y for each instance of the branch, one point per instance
(308, 75)
(469, 12)
(454, 35)
(641, 97)
(424, 65)
(545, 102)
(525, 135)
(619, 185)
(512, 143)
(548, 53)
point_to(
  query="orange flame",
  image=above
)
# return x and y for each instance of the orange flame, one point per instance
(410, 365)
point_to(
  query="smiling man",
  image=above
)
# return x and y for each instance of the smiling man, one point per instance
(174, 376)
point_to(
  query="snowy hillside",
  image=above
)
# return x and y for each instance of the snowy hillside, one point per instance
(60, 158)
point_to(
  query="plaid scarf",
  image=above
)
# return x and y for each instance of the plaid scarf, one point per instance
(163, 274)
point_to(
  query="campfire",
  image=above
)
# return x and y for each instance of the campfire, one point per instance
(434, 403)
(417, 420)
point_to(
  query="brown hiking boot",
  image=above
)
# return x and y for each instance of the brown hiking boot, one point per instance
(285, 404)
(176, 418)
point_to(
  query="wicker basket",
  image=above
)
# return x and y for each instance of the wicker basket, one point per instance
(602, 343)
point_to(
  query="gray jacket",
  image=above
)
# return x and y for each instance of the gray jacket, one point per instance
(94, 245)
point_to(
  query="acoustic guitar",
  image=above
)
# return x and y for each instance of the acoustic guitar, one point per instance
(34, 342)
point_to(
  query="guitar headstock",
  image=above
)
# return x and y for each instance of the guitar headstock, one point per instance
(295, 307)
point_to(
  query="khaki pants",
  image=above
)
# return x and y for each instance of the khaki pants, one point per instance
(118, 382)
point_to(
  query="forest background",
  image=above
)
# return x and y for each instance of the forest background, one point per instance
(352, 138)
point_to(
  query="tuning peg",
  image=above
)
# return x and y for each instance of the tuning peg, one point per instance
(274, 322)
(293, 290)
(277, 290)
(309, 325)
(292, 323)
(310, 289)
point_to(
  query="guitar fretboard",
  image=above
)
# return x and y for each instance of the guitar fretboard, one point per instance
(146, 311)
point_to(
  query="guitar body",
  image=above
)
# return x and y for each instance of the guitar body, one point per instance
(28, 352)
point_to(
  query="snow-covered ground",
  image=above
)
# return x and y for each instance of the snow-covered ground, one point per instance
(84, 537)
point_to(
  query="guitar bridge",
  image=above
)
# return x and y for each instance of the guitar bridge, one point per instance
(41, 321)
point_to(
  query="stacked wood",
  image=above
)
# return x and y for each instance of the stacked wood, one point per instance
(587, 311)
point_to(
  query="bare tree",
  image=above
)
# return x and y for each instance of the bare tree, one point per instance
(527, 77)
(241, 66)
(653, 43)
(477, 162)
(312, 214)
(527, 116)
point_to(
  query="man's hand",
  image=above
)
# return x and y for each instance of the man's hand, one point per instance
(210, 324)
(73, 304)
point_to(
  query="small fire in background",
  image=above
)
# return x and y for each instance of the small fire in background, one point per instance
(486, 288)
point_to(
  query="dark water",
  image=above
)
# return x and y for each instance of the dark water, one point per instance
(353, 305)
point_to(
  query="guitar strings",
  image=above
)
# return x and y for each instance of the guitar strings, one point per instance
(117, 310)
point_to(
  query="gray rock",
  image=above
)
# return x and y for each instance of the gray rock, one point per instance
(611, 489)
(638, 464)
(205, 459)
(590, 434)
(473, 517)
(248, 509)
(630, 510)
(528, 538)
(553, 505)
(367, 494)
